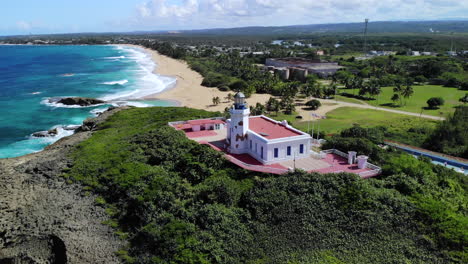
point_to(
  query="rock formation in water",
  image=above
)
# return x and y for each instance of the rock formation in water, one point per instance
(81, 101)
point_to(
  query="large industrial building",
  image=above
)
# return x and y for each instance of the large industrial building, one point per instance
(299, 68)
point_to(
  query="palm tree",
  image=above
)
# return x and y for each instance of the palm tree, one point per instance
(395, 98)
(317, 90)
(374, 88)
(464, 99)
(398, 90)
(407, 91)
(229, 97)
(216, 100)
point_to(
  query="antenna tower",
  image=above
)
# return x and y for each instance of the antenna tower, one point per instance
(366, 21)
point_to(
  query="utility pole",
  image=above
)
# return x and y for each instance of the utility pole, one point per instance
(313, 128)
(366, 21)
(318, 130)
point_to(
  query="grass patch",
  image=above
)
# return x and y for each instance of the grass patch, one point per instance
(349, 100)
(417, 102)
(400, 127)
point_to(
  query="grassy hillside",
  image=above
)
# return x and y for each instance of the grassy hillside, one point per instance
(417, 102)
(176, 201)
(407, 129)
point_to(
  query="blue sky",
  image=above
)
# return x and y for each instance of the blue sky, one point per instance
(66, 16)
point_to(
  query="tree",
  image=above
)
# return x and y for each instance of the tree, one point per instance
(289, 107)
(238, 85)
(330, 90)
(435, 102)
(259, 109)
(374, 87)
(464, 99)
(273, 105)
(216, 100)
(398, 90)
(407, 91)
(313, 104)
(229, 97)
(395, 98)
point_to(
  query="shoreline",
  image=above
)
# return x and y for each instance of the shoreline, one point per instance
(188, 90)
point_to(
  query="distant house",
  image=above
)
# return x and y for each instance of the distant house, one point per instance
(451, 53)
(415, 53)
(320, 52)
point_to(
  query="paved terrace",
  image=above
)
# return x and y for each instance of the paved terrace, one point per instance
(331, 163)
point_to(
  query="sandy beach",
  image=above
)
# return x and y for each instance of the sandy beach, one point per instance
(188, 90)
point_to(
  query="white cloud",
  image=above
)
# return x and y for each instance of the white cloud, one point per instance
(188, 14)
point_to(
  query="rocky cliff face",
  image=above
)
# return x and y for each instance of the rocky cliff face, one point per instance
(43, 219)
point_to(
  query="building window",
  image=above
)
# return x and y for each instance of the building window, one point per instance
(250, 144)
(256, 148)
(261, 153)
(288, 151)
(301, 148)
(276, 152)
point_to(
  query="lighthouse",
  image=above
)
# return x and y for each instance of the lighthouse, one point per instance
(238, 125)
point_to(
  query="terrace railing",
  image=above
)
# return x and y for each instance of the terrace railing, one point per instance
(256, 167)
(368, 174)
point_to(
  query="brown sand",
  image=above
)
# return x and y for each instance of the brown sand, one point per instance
(188, 90)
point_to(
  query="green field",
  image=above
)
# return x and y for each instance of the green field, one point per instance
(417, 101)
(348, 99)
(345, 117)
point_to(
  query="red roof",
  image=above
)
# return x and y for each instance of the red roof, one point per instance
(270, 129)
(205, 121)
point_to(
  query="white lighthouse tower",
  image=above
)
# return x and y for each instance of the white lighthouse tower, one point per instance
(239, 125)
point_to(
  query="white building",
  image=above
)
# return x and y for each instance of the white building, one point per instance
(263, 138)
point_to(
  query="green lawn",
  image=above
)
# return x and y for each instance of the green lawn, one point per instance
(345, 117)
(417, 101)
(348, 99)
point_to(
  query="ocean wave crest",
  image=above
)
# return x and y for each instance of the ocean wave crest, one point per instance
(121, 82)
(114, 58)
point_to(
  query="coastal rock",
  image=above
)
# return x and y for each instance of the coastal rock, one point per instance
(81, 101)
(53, 131)
(41, 134)
(50, 133)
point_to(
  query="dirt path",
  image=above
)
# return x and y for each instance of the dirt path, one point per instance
(329, 105)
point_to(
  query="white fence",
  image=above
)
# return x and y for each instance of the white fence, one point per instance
(375, 170)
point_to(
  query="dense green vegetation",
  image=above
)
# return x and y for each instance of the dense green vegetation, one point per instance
(451, 135)
(176, 201)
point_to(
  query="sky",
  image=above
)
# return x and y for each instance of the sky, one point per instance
(20, 17)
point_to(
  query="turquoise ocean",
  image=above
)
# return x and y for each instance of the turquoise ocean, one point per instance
(31, 75)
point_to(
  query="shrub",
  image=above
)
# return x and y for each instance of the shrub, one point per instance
(435, 102)
(313, 104)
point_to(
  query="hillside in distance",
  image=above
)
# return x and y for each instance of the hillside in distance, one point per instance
(460, 26)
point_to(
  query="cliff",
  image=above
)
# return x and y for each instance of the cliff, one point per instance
(44, 219)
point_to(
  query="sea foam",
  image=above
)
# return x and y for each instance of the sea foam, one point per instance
(147, 82)
(121, 82)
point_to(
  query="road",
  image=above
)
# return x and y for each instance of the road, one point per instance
(329, 105)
